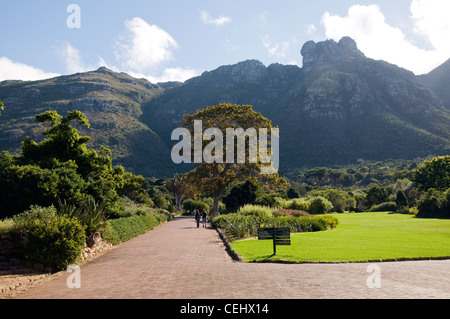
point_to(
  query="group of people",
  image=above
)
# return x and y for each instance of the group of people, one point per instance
(200, 215)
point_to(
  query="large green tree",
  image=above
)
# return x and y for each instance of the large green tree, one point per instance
(433, 173)
(218, 169)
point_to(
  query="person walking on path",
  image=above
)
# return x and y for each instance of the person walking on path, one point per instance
(197, 217)
(204, 216)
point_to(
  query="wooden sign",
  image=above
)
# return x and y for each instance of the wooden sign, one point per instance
(280, 236)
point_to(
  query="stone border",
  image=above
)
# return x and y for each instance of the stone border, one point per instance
(234, 256)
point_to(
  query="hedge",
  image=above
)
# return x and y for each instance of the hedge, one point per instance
(123, 229)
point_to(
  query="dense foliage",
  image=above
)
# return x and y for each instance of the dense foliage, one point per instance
(50, 238)
(123, 229)
(246, 222)
(62, 168)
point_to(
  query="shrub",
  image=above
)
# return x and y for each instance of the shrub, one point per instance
(56, 243)
(341, 200)
(320, 205)
(91, 214)
(23, 223)
(6, 226)
(434, 204)
(384, 207)
(190, 204)
(123, 229)
(297, 204)
(239, 226)
(290, 213)
(256, 210)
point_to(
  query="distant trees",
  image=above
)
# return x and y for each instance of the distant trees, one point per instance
(433, 176)
(376, 195)
(433, 173)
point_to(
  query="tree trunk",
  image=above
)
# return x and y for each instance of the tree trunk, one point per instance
(215, 210)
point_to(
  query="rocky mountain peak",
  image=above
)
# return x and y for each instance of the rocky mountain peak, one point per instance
(329, 51)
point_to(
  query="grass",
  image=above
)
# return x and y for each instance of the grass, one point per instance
(358, 238)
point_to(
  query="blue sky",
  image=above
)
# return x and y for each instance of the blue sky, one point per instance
(178, 39)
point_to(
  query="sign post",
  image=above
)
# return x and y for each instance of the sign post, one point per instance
(280, 236)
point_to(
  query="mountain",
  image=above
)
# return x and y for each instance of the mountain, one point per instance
(438, 80)
(112, 103)
(339, 107)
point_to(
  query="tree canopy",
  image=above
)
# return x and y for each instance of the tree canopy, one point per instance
(212, 178)
(433, 173)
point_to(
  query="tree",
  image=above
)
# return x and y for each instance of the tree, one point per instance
(179, 187)
(401, 200)
(213, 177)
(244, 193)
(340, 199)
(376, 195)
(320, 205)
(292, 193)
(433, 173)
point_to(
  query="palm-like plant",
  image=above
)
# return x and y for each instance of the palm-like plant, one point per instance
(91, 214)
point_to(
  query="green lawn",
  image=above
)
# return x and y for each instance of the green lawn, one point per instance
(359, 237)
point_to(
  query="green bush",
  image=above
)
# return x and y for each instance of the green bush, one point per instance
(319, 205)
(91, 214)
(56, 243)
(6, 226)
(243, 225)
(290, 213)
(190, 204)
(384, 207)
(434, 203)
(256, 210)
(23, 223)
(123, 229)
(297, 204)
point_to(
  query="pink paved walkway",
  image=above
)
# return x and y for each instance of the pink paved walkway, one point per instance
(179, 261)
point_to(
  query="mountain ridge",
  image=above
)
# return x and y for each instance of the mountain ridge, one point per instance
(339, 107)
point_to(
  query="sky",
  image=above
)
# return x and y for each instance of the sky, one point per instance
(174, 40)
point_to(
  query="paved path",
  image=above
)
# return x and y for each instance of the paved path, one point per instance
(179, 261)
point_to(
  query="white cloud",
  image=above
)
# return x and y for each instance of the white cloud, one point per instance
(72, 59)
(207, 19)
(10, 70)
(144, 46)
(169, 74)
(311, 29)
(379, 40)
(431, 18)
(275, 49)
